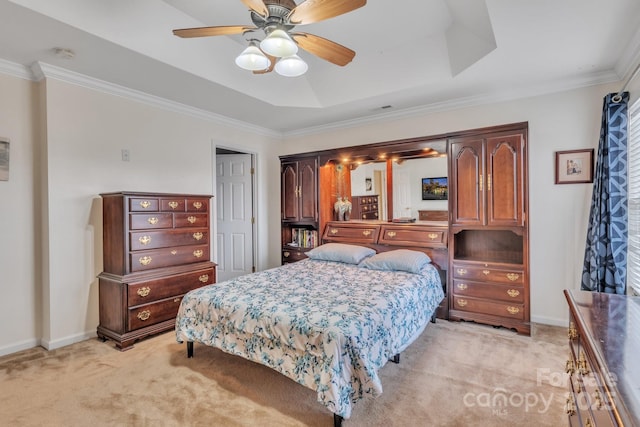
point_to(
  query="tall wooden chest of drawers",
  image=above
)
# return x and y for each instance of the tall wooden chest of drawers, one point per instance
(364, 207)
(156, 248)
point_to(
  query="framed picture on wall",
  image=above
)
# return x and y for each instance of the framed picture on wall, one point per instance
(574, 166)
(368, 185)
(4, 159)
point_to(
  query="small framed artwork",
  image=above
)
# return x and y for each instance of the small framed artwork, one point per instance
(368, 186)
(574, 166)
(4, 159)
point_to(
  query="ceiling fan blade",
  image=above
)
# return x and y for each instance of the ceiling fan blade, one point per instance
(272, 64)
(257, 6)
(213, 31)
(325, 49)
(318, 10)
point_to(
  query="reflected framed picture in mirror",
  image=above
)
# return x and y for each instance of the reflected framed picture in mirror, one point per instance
(435, 188)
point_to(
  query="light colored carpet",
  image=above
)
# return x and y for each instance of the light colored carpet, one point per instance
(455, 374)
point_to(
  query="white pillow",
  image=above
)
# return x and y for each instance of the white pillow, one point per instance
(397, 260)
(340, 252)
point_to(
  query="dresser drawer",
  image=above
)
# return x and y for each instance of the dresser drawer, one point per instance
(143, 204)
(488, 273)
(292, 256)
(153, 290)
(501, 292)
(145, 240)
(183, 220)
(197, 205)
(148, 260)
(151, 221)
(147, 315)
(361, 233)
(172, 205)
(406, 236)
(493, 308)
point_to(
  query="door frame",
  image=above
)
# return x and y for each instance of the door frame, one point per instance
(254, 197)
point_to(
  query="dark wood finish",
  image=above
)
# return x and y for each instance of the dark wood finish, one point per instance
(424, 215)
(156, 249)
(488, 238)
(603, 348)
(365, 207)
(382, 236)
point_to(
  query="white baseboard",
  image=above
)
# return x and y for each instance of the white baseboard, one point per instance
(63, 342)
(24, 345)
(553, 321)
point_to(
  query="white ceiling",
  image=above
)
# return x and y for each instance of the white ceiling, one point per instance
(411, 55)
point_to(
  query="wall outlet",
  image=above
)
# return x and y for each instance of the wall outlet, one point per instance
(125, 155)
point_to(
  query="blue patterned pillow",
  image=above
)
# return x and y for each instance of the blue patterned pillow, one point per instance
(340, 252)
(397, 260)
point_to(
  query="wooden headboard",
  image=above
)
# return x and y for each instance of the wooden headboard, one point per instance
(429, 237)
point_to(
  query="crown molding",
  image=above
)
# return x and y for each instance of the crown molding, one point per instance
(560, 85)
(41, 70)
(15, 70)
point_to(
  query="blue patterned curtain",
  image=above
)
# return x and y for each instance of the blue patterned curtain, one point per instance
(605, 258)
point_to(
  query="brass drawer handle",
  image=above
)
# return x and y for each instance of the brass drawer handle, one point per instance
(569, 367)
(197, 205)
(153, 220)
(197, 253)
(145, 240)
(462, 286)
(513, 293)
(173, 204)
(174, 252)
(598, 398)
(573, 332)
(513, 310)
(204, 278)
(333, 231)
(513, 276)
(486, 272)
(391, 234)
(366, 233)
(144, 315)
(461, 271)
(192, 219)
(286, 254)
(144, 291)
(145, 260)
(583, 368)
(432, 236)
(145, 204)
(197, 235)
(570, 409)
(176, 299)
(462, 302)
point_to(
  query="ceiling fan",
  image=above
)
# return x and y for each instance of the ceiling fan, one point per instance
(277, 19)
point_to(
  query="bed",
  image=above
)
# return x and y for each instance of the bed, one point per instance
(328, 323)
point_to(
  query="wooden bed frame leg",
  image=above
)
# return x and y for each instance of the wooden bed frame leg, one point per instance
(337, 420)
(189, 349)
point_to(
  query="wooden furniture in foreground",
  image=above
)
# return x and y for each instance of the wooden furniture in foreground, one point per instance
(156, 249)
(428, 237)
(602, 364)
(489, 234)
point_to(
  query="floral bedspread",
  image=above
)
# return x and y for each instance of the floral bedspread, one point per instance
(329, 326)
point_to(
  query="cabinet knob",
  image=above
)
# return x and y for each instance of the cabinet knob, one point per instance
(144, 240)
(144, 204)
(513, 310)
(192, 219)
(462, 286)
(197, 235)
(461, 271)
(153, 220)
(286, 254)
(197, 253)
(204, 278)
(144, 291)
(197, 205)
(173, 204)
(462, 302)
(486, 272)
(145, 260)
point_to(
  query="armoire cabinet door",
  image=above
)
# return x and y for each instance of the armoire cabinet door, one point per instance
(289, 193)
(505, 180)
(467, 181)
(299, 190)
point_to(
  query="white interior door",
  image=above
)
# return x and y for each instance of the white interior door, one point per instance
(234, 211)
(401, 193)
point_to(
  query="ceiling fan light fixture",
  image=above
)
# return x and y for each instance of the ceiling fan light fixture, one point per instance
(252, 59)
(291, 66)
(279, 44)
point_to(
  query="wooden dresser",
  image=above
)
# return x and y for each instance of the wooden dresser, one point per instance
(156, 247)
(429, 237)
(364, 207)
(604, 344)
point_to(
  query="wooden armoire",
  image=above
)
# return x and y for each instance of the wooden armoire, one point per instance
(489, 235)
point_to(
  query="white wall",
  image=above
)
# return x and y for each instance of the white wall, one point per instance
(84, 132)
(558, 214)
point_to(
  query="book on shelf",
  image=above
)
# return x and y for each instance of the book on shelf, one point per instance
(304, 238)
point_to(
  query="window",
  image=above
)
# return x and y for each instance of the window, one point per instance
(633, 255)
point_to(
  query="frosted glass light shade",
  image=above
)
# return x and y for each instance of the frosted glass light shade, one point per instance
(252, 59)
(291, 66)
(279, 44)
